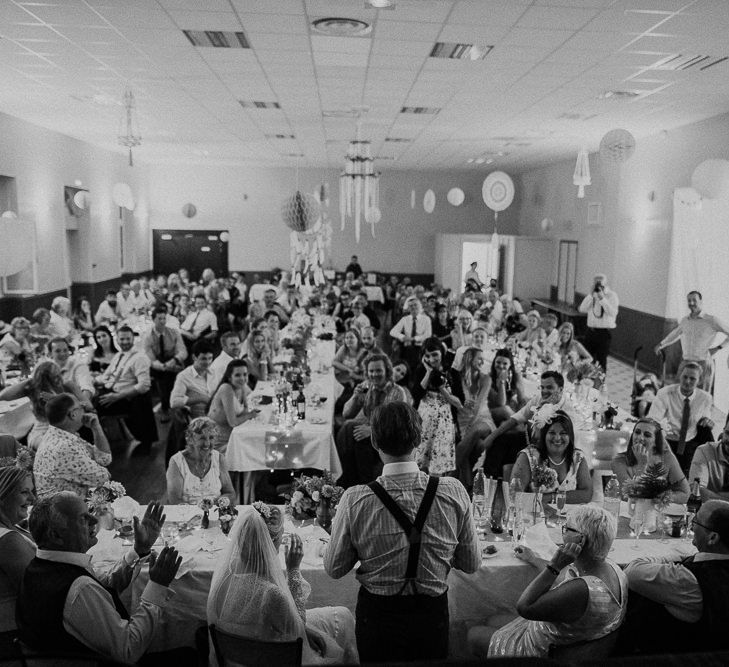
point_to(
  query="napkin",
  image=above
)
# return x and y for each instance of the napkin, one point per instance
(187, 565)
(538, 540)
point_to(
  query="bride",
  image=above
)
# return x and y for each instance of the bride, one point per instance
(250, 597)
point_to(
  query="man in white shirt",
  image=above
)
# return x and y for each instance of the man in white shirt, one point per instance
(688, 412)
(411, 331)
(123, 389)
(61, 324)
(126, 301)
(697, 332)
(108, 312)
(194, 386)
(200, 322)
(710, 466)
(230, 349)
(72, 368)
(65, 606)
(472, 277)
(601, 306)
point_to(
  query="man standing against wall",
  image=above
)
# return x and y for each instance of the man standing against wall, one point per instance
(601, 306)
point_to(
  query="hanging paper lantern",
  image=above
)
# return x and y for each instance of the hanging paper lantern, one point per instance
(581, 177)
(547, 224)
(224, 237)
(81, 199)
(189, 210)
(617, 146)
(711, 179)
(429, 201)
(498, 191)
(455, 196)
(300, 211)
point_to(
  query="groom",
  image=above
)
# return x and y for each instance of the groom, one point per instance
(407, 530)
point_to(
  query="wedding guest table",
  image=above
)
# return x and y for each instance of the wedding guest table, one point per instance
(261, 444)
(16, 417)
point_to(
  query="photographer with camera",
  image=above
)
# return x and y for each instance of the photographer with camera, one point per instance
(437, 397)
(601, 306)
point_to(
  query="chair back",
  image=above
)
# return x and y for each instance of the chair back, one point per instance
(589, 651)
(254, 652)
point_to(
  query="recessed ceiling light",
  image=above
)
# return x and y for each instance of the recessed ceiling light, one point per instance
(217, 38)
(380, 4)
(480, 160)
(336, 26)
(455, 51)
(259, 105)
(420, 110)
(280, 136)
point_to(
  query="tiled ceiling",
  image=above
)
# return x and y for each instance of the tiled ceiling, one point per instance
(537, 96)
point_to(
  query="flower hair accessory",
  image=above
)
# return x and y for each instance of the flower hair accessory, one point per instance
(263, 509)
(543, 415)
(23, 459)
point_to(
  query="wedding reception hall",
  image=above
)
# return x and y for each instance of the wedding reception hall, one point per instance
(364, 331)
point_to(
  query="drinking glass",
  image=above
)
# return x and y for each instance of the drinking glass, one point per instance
(170, 533)
(636, 524)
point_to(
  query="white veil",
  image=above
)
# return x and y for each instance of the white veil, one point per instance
(249, 594)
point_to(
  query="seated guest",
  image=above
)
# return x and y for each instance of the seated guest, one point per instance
(346, 369)
(533, 336)
(251, 595)
(230, 349)
(258, 359)
(478, 340)
(503, 445)
(16, 545)
(104, 351)
(474, 418)
(688, 411)
(551, 333)
(198, 471)
(273, 331)
(515, 320)
(229, 405)
(199, 323)
(368, 344)
(65, 606)
(108, 312)
(682, 605)
(569, 348)
(167, 353)
(16, 342)
(124, 389)
(358, 320)
(269, 303)
(402, 607)
(401, 377)
(360, 462)
(73, 369)
(461, 334)
(368, 312)
(411, 331)
(40, 332)
(556, 449)
(45, 382)
(495, 309)
(127, 301)
(194, 386)
(710, 466)
(580, 595)
(61, 324)
(506, 391)
(442, 325)
(645, 447)
(83, 318)
(65, 461)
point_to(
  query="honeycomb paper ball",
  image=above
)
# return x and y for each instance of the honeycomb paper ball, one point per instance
(300, 211)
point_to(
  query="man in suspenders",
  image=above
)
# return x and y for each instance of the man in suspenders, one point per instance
(407, 530)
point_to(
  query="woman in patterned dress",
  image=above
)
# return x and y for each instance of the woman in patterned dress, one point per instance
(436, 397)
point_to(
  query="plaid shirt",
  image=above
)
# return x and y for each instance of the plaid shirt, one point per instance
(365, 531)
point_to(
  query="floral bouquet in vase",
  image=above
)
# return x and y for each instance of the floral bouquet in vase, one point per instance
(226, 513)
(312, 495)
(586, 373)
(544, 480)
(206, 504)
(99, 501)
(647, 493)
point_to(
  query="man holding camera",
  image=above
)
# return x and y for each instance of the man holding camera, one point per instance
(601, 307)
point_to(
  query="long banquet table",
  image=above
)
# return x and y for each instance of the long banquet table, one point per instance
(491, 593)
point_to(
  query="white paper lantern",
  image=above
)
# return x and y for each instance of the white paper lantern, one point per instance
(455, 196)
(224, 237)
(498, 191)
(711, 179)
(429, 201)
(300, 211)
(81, 199)
(189, 210)
(547, 224)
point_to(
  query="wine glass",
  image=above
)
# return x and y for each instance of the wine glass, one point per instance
(170, 533)
(636, 524)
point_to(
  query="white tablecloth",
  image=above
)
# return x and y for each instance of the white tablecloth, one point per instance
(374, 293)
(259, 445)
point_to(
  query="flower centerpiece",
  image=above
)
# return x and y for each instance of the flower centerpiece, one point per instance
(206, 504)
(99, 500)
(226, 513)
(585, 372)
(314, 497)
(544, 480)
(647, 493)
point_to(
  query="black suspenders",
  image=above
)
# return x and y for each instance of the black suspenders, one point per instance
(413, 529)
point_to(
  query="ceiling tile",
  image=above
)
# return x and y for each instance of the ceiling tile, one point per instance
(408, 31)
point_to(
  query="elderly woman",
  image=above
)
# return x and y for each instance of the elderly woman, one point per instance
(251, 595)
(16, 342)
(579, 596)
(556, 449)
(646, 446)
(61, 324)
(198, 471)
(17, 548)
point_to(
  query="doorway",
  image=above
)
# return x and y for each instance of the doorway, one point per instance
(567, 271)
(192, 249)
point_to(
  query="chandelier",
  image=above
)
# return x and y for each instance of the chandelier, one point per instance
(129, 134)
(359, 186)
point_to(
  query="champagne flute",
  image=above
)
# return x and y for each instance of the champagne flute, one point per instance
(637, 524)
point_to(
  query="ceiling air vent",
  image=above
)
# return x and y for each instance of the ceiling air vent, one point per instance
(618, 95)
(259, 105)
(336, 26)
(217, 39)
(678, 62)
(456, 51)
(398, 140)
(420, 110)
(280, 136)
(292, 155)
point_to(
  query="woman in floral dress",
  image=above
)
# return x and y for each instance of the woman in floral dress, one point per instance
(436, 397)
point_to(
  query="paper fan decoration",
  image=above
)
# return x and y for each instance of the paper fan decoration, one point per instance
(617, 146)
(498, 191)
(429, 201)
(300, 211)
(455, 196)
(81, 199)
(581, 177)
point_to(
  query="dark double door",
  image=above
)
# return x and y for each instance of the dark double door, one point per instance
(192, 249)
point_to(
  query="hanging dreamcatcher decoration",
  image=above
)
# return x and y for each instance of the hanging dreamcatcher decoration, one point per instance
(581, 176)
(498, 193)
(310, 243)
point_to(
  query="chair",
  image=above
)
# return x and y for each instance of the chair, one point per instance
(597, 649)
(254, 652)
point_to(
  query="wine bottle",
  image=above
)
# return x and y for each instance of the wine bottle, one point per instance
(301, 404)
(693, 504)
(497, 511)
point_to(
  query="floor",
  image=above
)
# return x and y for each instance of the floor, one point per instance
(144, 476)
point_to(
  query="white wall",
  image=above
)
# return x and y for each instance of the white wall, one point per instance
(43, 162)
(248, 203)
